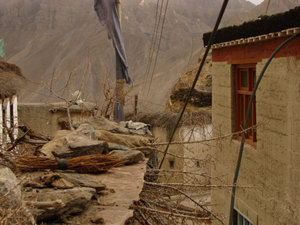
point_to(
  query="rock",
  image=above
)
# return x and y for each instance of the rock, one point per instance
(9, 187)
(86, 130)
(80, 145)
(62, 184)
(59, 142)
(73, 201)
(62, 180)
(84, 180)
(101, 123)
(118, 147)
(122, 139)
(97, 219)
(11, 200)
(131, 156)
(83, 141)
(54, 180)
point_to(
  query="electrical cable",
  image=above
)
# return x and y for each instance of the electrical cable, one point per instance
(158, 47)
(211, 40)
(268, 4)
(246, 122)
(153, 41)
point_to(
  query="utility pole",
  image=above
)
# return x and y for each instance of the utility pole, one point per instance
(120, 98)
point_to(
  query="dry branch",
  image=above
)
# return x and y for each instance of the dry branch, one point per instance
(28, 131)
(197, 185)
(206, 140)
(171, 213)
(96, 163)
(55, 204)
(187, 196)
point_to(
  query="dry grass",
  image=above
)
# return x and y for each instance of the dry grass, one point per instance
(14, 214)
(169, 119)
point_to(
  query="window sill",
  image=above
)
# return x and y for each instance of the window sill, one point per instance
(247, 141)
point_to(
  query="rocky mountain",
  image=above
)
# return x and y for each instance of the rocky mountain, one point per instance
(201, 97)
(61, 44)
(276, 6)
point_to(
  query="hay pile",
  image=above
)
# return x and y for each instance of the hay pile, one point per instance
(169, 119)
(202, 94)
(11, 79)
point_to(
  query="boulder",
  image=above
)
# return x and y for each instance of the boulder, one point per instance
(51, 204)
(131, 156)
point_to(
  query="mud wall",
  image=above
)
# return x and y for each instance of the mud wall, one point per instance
(45, 118)
(272, 166)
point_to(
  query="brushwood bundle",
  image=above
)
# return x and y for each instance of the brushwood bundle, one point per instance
(97, 163)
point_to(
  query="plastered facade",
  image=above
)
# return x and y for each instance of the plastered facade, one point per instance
(271, 168)
(44, 120)
(189, 157)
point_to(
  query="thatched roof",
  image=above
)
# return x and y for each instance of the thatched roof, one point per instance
(169, 119)
(11, 79)
(264, 25)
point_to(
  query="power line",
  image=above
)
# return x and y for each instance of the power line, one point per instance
(154, 40)
(269, 1)
(161, 34)
(211, 40)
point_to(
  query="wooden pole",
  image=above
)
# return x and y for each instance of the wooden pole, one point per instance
(135, 105)
(118, 5)
(120, 82)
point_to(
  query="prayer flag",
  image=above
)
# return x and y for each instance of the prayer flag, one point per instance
(2, 53)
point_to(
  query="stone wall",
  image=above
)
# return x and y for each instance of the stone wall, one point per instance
(273, 165)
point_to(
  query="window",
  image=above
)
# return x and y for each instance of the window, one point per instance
(172, 163)
(245, 78)
(239, 219)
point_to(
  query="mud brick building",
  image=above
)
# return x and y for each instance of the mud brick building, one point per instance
(271, 160)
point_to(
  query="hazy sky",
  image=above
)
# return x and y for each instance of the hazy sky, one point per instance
(256, 1)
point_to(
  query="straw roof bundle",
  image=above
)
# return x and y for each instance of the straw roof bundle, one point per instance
(11, 79)
(169, 119)
(96, 163)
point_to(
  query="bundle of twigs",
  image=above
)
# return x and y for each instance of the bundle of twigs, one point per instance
(96, 163)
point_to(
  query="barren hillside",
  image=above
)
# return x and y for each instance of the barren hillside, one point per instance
(276, 6)
(61, 41)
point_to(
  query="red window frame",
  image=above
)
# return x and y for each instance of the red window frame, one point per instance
(245, 78)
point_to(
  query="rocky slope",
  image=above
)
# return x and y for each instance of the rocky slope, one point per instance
(276, 6)
(202, 94)
(50, 40)
(201, 98)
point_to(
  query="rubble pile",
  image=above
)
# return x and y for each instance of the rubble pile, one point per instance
(82, 175)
